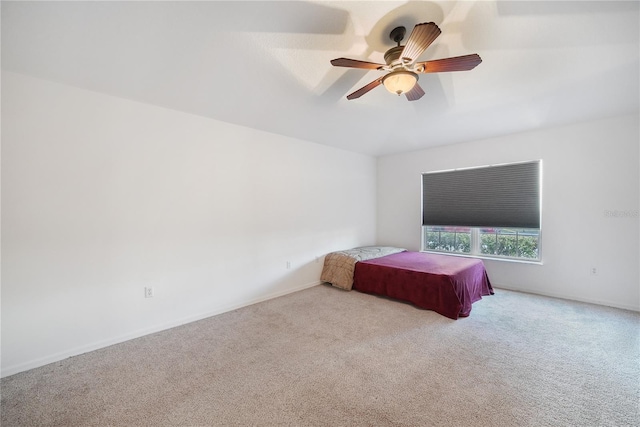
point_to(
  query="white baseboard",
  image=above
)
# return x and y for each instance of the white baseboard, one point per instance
(571, 298)
(11, 370)
(31, 364)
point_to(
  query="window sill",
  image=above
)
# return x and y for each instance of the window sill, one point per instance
(487, 257)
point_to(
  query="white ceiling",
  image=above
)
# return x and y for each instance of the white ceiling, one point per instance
(265, 65)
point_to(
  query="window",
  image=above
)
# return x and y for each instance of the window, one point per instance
(512, 243)
(491, 211)
(448, 239)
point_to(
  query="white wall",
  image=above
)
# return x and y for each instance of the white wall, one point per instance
(588, 169)
(102, 196)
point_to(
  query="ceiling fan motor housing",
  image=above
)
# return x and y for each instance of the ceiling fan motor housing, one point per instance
(393, 54)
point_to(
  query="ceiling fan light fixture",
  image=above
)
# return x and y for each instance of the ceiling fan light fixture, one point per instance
(400, 81)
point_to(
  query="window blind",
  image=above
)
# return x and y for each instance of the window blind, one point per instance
(492, 196)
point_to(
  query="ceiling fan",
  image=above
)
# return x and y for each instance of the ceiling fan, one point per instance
(403, 70)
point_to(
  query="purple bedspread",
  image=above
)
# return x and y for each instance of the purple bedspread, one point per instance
(445, 284)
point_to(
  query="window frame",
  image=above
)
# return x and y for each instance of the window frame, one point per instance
(475, 230)
(475, 250)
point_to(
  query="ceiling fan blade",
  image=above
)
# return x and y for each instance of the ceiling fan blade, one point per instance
(365, 89)
(420, 39)
(458, 63)
(416, 93)
(354, 63)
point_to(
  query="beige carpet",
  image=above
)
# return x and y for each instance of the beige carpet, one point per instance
(325, 357)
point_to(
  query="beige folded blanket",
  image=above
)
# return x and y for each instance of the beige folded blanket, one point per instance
(339, 266)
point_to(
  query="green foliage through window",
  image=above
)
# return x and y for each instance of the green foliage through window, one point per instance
(511, 243)
(448, 239)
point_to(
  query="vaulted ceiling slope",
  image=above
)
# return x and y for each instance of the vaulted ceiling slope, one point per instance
(265, 64)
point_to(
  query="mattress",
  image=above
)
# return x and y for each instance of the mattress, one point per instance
(446, 284)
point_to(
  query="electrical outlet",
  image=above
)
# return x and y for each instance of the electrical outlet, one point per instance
(594, 271)
(288, 265)
(148, 292)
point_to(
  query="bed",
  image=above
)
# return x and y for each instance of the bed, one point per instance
(446, 284)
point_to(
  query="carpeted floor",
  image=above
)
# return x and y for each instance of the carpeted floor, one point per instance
(325, 357)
